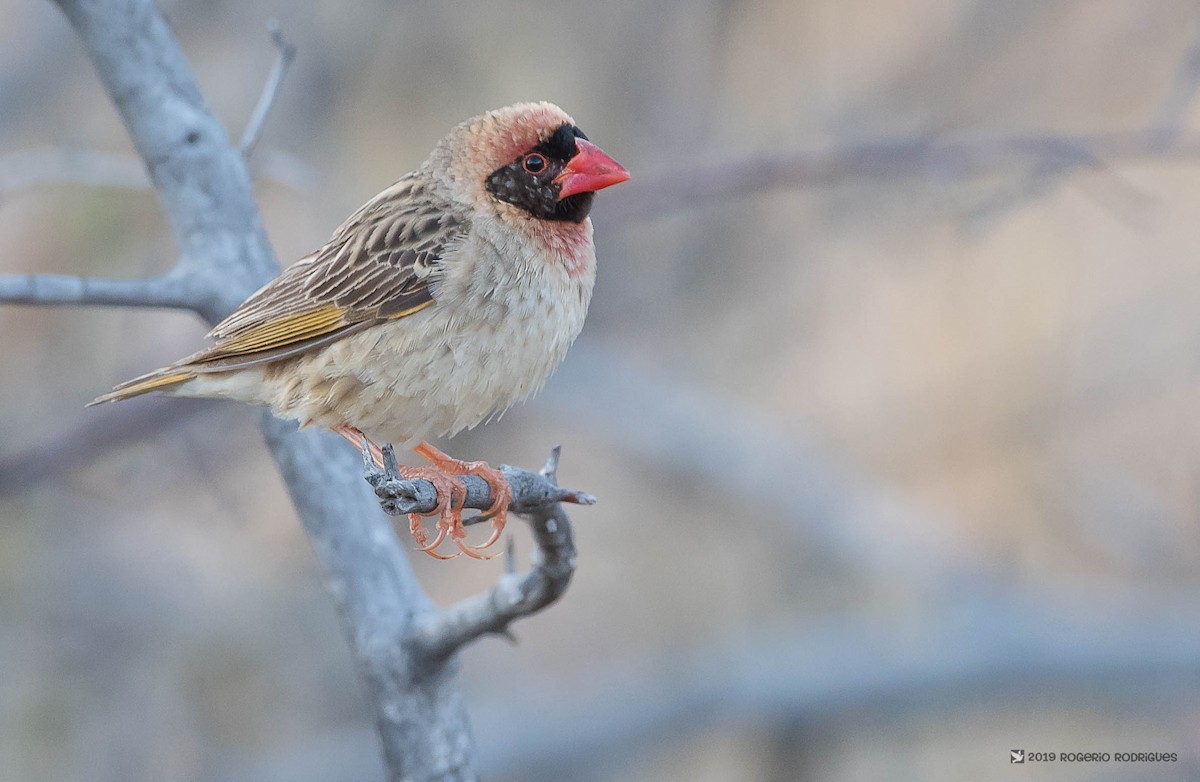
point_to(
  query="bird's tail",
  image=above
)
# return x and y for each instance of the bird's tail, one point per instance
(158, 380)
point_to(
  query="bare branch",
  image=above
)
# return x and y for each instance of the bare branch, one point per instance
(1168, 122)
(531, 490)
(200, 181)
(170, 291)
(287, 53)
(698, 184)
(418, 710)
(537, 497)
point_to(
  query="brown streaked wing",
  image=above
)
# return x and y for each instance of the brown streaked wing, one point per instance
(378, 266)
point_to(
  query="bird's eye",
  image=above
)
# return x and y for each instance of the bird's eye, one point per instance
(534, 163)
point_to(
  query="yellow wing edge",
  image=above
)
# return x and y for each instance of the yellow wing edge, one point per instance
(142, 385)
(270, 336)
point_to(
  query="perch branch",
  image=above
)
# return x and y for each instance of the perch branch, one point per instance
(537, 497)
(287, 53)
(531, 490)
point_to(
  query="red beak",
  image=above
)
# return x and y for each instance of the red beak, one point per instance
(589, 170)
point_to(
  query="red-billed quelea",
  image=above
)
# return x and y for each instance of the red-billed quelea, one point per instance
(442, 301)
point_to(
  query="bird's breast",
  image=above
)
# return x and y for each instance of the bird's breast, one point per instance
(497, 331)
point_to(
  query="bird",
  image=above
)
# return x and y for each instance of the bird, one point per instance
(437, 305)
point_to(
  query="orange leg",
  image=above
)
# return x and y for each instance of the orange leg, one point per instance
(498, 512)
(361, 442)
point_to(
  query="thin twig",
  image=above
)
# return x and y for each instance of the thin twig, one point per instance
(1169, 120)
(536, 497)
(258, 118)
(531, 490)
(170, 291)
(943, 159)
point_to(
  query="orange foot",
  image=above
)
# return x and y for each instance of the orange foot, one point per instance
(450, 493)
(450, 520)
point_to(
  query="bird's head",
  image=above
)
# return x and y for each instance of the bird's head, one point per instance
(527, 160)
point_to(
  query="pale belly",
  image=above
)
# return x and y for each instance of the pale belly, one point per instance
(430, 374)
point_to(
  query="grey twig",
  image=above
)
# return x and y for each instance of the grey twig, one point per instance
(1169, 119)
(936, 158)
(531, 490)
(537, 497)
(287, 53)
(171, 291)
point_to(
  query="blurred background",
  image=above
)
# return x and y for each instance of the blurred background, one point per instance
(889, 392)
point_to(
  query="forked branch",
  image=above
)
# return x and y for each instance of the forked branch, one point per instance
(538, 498)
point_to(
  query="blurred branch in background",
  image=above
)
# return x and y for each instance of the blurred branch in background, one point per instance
(971, 651)
(1167, 125)
(286, 53)
(927, 156)
(791, 487)
(991, 653)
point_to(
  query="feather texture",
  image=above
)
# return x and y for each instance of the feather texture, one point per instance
(379, 266)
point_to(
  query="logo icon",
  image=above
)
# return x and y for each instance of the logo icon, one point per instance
(1016, 756)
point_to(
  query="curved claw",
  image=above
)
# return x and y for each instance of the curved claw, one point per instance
(491, 541)
(415, 522)
(429, 549)
(473, 551)
(436, 555)
(501, 496)
(498, 512)
(451, 497)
